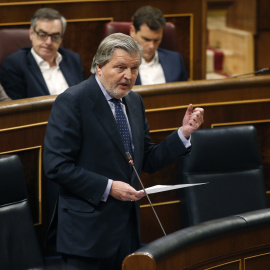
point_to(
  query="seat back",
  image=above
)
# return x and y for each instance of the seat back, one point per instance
(215, 244)
(19, 248)
(169, 40)
(229, 159)
(12, 40)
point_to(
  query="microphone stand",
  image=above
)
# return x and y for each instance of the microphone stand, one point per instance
(132, 164)
(257, 72)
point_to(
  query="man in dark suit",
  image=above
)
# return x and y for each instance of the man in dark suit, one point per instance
(44, 68)
(84, 152)
(158, 65)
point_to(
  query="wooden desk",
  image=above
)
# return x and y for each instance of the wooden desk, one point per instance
(226, 102)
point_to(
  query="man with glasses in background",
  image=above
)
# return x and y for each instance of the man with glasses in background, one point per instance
(45, 68)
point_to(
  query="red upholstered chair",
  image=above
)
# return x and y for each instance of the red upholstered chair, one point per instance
(12, 40)
(169, 40)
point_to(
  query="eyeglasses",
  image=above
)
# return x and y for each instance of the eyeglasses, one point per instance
(44, 36)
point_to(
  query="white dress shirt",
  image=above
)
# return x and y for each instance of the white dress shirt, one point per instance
(152, 72)
(53, 76)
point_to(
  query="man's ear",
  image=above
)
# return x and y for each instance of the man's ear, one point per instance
(99, 69)
(132, 30)
(31, 30)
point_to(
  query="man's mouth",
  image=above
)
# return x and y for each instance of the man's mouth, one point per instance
(124, 84)
(46, 48)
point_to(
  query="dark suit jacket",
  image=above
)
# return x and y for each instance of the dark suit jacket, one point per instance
(173, 66)
(21, 77)
(82, 149)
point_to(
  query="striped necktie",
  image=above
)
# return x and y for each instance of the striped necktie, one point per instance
(122, 125)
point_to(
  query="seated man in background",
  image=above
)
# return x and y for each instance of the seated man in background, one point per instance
(3, 95)
(158, 65)
(45, 68)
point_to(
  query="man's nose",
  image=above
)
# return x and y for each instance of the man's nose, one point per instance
(151, 44)
(49, 40)
(128, 74)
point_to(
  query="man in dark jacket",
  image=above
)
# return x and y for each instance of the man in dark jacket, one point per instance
(44, 68)
(158, 65)
(98, 213)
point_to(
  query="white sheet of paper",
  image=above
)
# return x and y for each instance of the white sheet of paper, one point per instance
(161, 188)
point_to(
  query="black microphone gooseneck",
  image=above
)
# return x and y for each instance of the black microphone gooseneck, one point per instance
(257, 72)
(130, 160)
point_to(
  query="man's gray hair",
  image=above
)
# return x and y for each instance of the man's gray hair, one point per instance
(48, 14)
(109, 44)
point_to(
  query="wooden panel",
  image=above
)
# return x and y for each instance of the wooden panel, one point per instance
(258, 262)
(262, 55)
(219, 4)
(263, 22)
(242, 15)
(249, 15)
(202, 92)
(227, 266)
(262, 52)
(87, 45)
(252, 16)
(169, 216)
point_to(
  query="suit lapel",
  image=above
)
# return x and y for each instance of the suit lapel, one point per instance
(66, 69)
(105, 116)
(69, 77)
(35, 70)
(165, 67)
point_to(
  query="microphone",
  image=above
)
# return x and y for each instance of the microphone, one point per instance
(257, 72)
(130, 160)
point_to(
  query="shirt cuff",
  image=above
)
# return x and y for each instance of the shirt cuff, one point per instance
(186, 142)
(107, 191)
